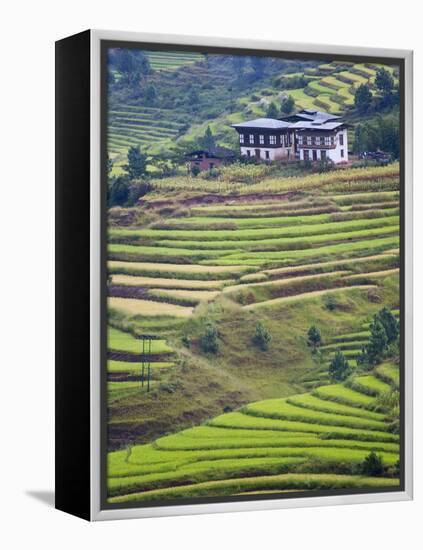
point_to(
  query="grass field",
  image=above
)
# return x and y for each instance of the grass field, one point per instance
(256, 447)
(245, 420)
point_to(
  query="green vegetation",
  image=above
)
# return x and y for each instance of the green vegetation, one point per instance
(314, 338)
(210, 340)
(261, 444)
(339, 369)
(262, 337)
(234, 275)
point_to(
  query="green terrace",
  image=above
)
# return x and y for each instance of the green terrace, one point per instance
(304, 441)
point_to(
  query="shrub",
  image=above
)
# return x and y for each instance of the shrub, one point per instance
(339, 368)
(118, 191)
(325, 165)
(262, 337)
(195, 170)
(212, 174)
(137, 189)
(186, 341)
(330, 302)
(209, 341)
(372, 465)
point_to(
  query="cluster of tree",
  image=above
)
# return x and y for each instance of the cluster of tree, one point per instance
(388, 93)
(287, 106)
(292, 82)
(382, 133)
(132, 65)
(126, 189)
(209, 340)
(250, 68)
(383, 340)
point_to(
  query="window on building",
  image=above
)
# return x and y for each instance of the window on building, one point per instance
(317, 140)
(282, 140)
(341, 139)
(323, 154)
(241, 138)
(309, 140)
(306, 154)
(267, 155)
(272, 140)
(342, 153)
(251, 138)
(300, 140)
(248, 153)
(288, 140)
(261, 140)
(327, 140)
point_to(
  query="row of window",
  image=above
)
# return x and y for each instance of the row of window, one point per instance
(312, 155)
(285, 140)
(318, 140)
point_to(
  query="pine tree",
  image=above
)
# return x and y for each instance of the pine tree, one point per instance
(339, 369)
(314, 338)
(390, 324)
(262, 337)
(384, 81)
(372, 465)
(150, 95)
(207, 141)
(272, 111)
(363, 98)
(137, 163)
(377, 342)
(209, 341)
(287, 105)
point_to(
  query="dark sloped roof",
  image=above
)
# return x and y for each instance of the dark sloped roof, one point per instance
(306, 119)
(270, 123)
(313, 125)
(214, 152)
(312, 115)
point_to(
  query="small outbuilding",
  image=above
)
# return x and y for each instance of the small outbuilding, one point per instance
(207, 159)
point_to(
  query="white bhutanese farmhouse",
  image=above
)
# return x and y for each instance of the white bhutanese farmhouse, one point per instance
(306, 135)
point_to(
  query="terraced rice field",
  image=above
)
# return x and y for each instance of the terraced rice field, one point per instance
(277, 444)
(331, 89)
(141, 125)
(167, 61)
(333, 85)
(351, 345)
(256, 255)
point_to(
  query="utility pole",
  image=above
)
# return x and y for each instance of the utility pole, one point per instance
(146, 360)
